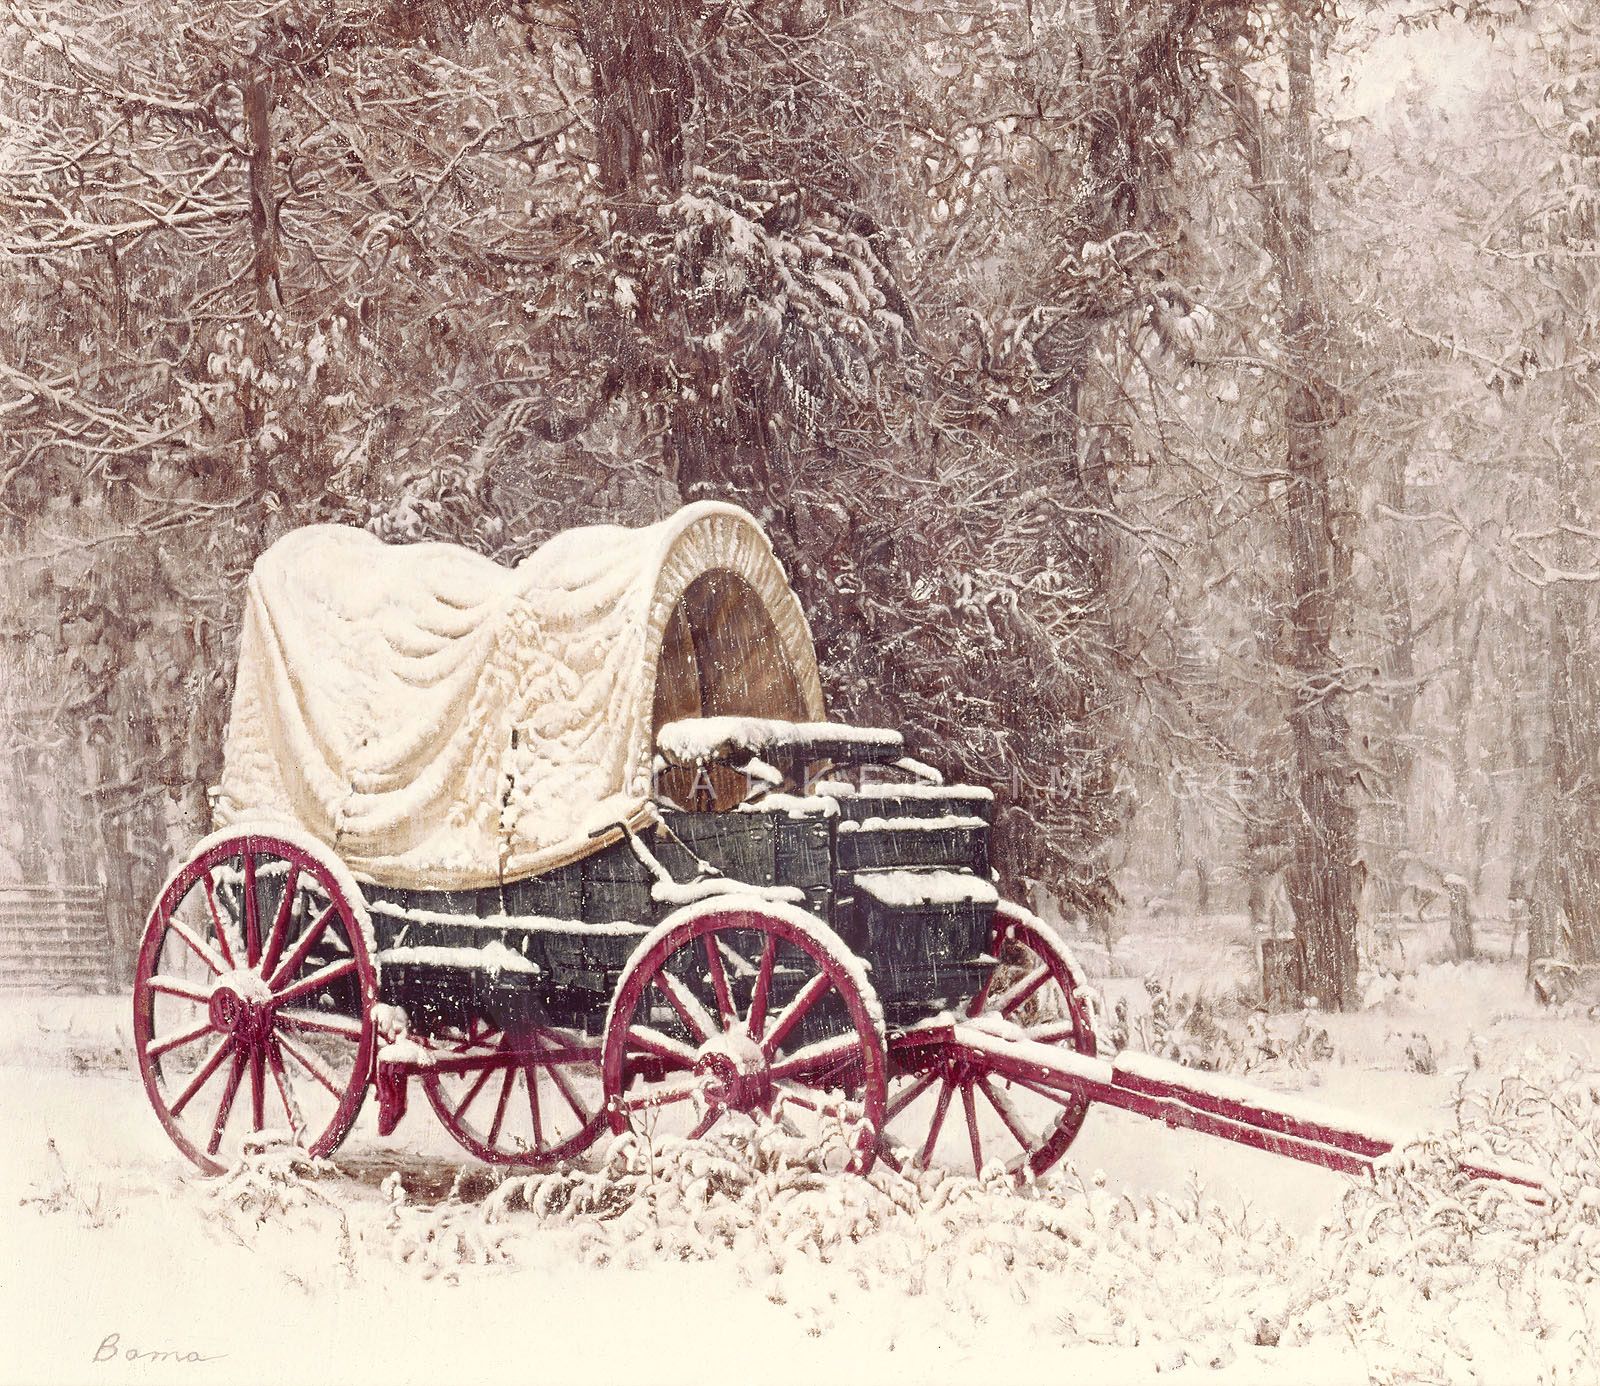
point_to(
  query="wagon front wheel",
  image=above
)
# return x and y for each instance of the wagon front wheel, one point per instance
(745, 1010)
(950, 1109)
(253, 999)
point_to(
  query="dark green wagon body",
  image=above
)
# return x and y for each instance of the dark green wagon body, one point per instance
(580, 923)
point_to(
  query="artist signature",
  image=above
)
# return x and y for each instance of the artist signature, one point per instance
(111, 1349)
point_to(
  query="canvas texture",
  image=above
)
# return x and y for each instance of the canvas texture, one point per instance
(444, 722)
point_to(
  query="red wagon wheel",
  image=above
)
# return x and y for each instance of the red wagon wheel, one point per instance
(1035, 993)
(748, 1009)
(527, 1096)
(255, 976)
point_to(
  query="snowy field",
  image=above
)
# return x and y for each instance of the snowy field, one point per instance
(1148, 1255)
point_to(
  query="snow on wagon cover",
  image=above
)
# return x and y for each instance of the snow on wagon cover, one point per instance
(444, 722)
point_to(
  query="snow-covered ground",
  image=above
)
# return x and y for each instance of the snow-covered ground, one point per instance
(1149, 1255)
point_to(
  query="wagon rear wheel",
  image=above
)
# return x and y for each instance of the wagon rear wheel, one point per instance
(527, 1096)
(253, 999)
(745, 1010)
(954, 1111)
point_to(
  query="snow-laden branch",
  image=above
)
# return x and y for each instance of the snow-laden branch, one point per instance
(1543, 572)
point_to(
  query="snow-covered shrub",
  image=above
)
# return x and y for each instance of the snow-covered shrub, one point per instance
(1473, 1261)
(273, 1180)
(439, 1240)
(1206, 1032)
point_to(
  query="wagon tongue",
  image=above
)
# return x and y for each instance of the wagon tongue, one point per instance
(1178, 1097)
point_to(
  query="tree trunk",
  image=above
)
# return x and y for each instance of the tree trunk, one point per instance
(1322, 873)
(1391, 838)
(716, 445)
(1544, 931)
(98, 759)
(1462, 940)
(257, 99)
(1574, 744)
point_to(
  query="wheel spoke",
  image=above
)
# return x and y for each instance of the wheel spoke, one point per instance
(908, 1095)
(756, 1022)
(976, 1006)
(945, 1093)
(1053, 1032)
(311, 1063)
(197, 945)
(258, 1087)
(662, 1095)
(225, 1107)
(687, 1005)
(532, 1075)
(500, 1105)
(178, 986)
(223, 945)
(804, 1000)
(817, 1060)
(316, 981)
(302, 949)
(704, 1125)
(202, 1074)
(719, 979)
(280, 1076)
(972, 1128)
(252, 915)
(280, 921)
(1013, 998)
(177, 1041)
(473, 1091)
(564, 1087)
(1007, 1113)
(647, 1039)
(742, 966)
(327, 1024)
(1065, 1098)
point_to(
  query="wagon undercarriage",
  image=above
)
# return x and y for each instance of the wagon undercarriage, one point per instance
(253, 1016)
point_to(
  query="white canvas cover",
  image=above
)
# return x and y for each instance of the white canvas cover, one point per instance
(444, 722)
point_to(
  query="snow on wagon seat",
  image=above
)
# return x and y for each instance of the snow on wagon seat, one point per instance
(445, 722)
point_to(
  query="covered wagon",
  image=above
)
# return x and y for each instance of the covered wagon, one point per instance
(574, 846)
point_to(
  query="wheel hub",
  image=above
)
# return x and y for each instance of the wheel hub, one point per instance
(241, 1005)
(735, 1073)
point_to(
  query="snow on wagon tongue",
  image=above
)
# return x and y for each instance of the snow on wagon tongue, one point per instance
(388, 695)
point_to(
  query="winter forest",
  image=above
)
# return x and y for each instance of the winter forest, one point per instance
(1179, 416)
(1175, 414)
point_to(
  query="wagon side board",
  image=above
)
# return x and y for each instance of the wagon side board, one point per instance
(566, 935)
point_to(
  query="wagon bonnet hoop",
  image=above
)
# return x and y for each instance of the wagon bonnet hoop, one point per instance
(703, 543)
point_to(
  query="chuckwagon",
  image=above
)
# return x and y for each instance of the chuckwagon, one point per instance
(574, 846)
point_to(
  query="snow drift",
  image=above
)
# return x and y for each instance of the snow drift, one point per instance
(444, 722)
